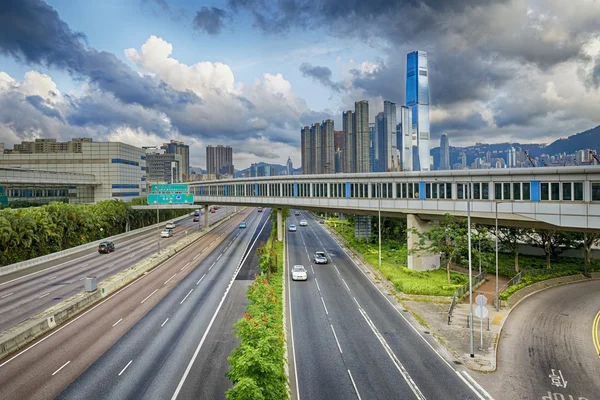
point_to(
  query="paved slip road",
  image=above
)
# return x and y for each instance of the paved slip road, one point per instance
(156, 322)
(349, 341)
(24, 295)
(548, 338)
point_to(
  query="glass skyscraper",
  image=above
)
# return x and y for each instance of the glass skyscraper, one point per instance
(417, 98)
(444, 153)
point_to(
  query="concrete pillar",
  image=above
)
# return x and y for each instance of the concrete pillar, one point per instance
(421, 261)
(206, 212)
(279, 224)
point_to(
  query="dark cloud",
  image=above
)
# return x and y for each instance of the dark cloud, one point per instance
(32, 32)
(174, 13)
(210, 20)
(472, 122)
(39, 104)
(320, 74)
(595, 75)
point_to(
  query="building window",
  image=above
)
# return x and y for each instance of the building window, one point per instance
(526, 191)
(544, 191)
(566, 191)
(555, 191)
(125, 194)
(122, 161)
(498, 191)
(125, 186)
(506, 191)
(477, 191)
(578, 191)
(516, 191)
(595, 191)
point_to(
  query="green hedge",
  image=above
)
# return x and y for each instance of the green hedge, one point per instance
(257, 365)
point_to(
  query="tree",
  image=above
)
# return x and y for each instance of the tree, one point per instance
(589, 240)
(509, 238)
(552, 242)
(449, 237)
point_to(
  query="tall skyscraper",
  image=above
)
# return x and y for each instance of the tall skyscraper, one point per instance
(175, 147)
(305, 144)
(417, 98)
(328, 146)
(372, 134)
(316, 148)
(390, 149)
(349, 155)
(289, 166)
(444, 153)
(378, 144)
(361, 127)
(511, 155)
(407, 138)
(339, 146)
(219, 160)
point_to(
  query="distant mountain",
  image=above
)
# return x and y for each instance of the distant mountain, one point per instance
(198, 170)
(589, 139)
(281, 169)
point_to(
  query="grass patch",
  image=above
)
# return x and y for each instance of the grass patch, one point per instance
(531, 279)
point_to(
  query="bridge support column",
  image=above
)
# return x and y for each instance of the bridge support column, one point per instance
(279, 224)
(206, 212)
(421, 261)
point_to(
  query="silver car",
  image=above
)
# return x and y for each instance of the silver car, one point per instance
(299, 273)
(320, 257)
(303, 222)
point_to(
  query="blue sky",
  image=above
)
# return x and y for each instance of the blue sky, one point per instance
(267, 68)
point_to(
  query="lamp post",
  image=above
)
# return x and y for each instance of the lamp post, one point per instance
(379, 223)
(470, 272)
(497, 298)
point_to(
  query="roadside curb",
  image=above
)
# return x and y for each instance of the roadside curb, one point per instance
(21, 335)
(286, 365)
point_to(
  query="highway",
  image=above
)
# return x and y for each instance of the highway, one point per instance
(547, 346)
(140, 341)
(348, 341)
(23, 295)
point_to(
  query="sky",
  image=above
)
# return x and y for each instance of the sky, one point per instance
(251, 73)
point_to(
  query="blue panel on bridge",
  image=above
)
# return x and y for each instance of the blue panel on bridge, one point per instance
(295, 189)
(535, 190)
(348, 190)
(421, 190)
(256, 189)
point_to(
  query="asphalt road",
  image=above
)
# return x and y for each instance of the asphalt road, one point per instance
(546, 341)
(349, 341)
(23, 296)
(156, 322)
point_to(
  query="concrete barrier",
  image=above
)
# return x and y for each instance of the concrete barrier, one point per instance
(8, 269)
(19, 336)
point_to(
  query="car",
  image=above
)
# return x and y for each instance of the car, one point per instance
(170, 225)
(106, 247)
(303, 222)
(321, 221)
(297, 213)
(292, 228)
(243, 225)
(212, 210)
(196, 219)
(259, 209)
(320, 257)
(299, 273)
(166, 233)
(196, 213)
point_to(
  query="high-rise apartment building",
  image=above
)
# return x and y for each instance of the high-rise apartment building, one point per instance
(306, 153)
(349, 155)
(340, 146)
(407, 138)
(316, 148)
(175, 147)
(328, 146)
(163, 167)
(219, 160)
(390, 149)
(372, 134)
(361, 129)
(417, 98)
(444, 153)
(378, 144)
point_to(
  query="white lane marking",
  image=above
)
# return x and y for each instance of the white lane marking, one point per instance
(44, 295)
(185, 266)
(336, 339)
(6, 295)
(115, 324)
(200, 279)
(163, 324)
(203, 250)
(64, 365)
(213, 242)
(123, 370)
(147, 297)
(197, 255)
(84, 265)
(186, 296)
(83, 278)
(49, 279)
(219, 256)
(313, 270)
(230, 243)
(354, 384)
(307, 256)
(226, 248)
(407, 378)
(213, 264)
(317, 282)
(212, 320)
(475, 384)
(335, 266)
(167, 281)
(345, 284)
(110, 266)
(323, 301)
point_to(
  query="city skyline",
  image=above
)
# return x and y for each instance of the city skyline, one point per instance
(169, 58)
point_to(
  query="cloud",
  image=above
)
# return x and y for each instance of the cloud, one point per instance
(210, 20)
(175, 13)
(320, 74)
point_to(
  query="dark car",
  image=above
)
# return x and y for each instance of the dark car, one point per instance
(196, 219)
(259, 209)
(106, 247)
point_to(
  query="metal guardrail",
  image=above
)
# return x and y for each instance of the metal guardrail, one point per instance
(460, 293)
(513, 281)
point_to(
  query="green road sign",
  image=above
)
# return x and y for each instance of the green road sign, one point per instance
(170, 198)
(3, 200)
(170, 188)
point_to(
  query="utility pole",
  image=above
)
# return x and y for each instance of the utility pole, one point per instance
(379, 223)
(470, 274)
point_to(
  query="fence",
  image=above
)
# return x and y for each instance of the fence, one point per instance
(460, 293)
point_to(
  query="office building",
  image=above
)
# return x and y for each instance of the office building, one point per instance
(316, 148)
(417, 98)
(372, 135)
(349, 141)
(511, 155)
(175, 147)
(163, 167)
(378, 144)
(267, 170)
(408, 139)
(289, 167)
(390, 150)
(219, 160)
(306, 154)
(361, 129)
(328, 146)
(253, 170)
(444, 153)
(118, 169)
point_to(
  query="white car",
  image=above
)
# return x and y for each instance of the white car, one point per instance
(166, 233)
(320, 257)
(299, 273)
(170, 225)
(292, 228)
(303, 222)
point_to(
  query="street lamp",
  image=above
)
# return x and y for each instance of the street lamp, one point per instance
(470, 272)
(497, 294)
(379, 223)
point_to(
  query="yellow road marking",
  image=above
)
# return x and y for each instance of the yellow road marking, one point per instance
(595, 338)
(497, 319)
